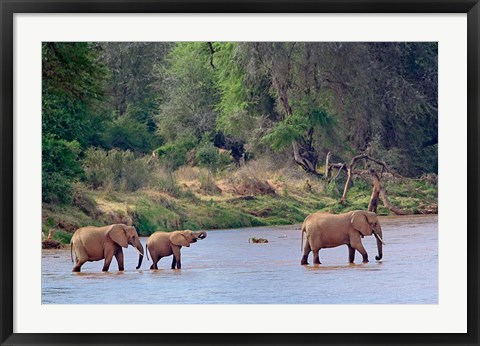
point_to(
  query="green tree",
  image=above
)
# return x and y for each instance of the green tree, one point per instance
(72, 113)
(190, 93)
(60, 166)
(344, 97)
(134, 93)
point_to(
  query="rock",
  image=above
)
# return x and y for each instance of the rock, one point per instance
(254, 240)
(50, 243)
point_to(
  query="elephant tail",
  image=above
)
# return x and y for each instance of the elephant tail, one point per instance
(71, 245)
(146, 250)
(304, 228)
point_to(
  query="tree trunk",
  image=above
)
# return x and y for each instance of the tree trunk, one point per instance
(379, 192)
(306, 158)
(377, 187)
(390, 206)
(350, 168)
(347, 185)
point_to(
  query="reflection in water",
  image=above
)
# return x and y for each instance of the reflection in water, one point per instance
(226, 269)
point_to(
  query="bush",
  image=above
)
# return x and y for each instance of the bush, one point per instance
(167, 183)
(127, 133)
(60, 166)
(116, 169)
(207, 184)
(207, 156)
(62, 236)
(174, 154)
(83, 201)
(150, 217)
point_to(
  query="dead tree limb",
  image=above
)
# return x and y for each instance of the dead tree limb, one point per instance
(340, 169)
(350, 167)
(379, 191)
(328, 168)
(377, 187)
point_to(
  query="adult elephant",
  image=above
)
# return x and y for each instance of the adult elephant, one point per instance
(96, 243)
(163, 244)
(326, 230)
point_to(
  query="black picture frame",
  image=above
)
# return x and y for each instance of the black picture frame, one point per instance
(9, 7)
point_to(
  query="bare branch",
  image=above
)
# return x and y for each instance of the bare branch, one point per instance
(212, 51)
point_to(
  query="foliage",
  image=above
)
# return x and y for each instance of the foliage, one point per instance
(116, 170)
(207, 155)
(60, 167)
(133, 93)
(72, 83)
(190, 94)
(127, 133)
(131, 116)
(72, 87)
(174, 154)
(150, 217)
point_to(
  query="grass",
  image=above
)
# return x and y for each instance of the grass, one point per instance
(181, 202)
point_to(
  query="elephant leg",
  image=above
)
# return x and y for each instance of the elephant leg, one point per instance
(356, 243)
(81, 257)
(176, 257)
(306, 252)
(119, 258)
(316, 256)
(108, 260)
(155, 261)
(351, 254)
(359, 247)
(78, 265)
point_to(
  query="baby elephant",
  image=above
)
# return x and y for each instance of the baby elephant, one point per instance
(163, 244)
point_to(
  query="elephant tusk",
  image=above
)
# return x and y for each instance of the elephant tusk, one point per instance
(379, 238)
(138, 251)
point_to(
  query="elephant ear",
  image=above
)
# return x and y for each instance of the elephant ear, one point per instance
(371, 217)
(179, 238)
(118, 235)
(360, 223)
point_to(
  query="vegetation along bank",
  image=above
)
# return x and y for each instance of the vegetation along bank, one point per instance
(209, 135)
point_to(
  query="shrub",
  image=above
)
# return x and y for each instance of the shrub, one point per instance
(62, 236)
(207, 184)
(167, 183)
(174, 154)
(82, 200)
(150, 217)
(188, 173)
(60, 166)
(127, 133)
(207, 156)
(116, 169)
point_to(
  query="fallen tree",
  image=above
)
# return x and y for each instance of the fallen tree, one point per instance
(378, 192)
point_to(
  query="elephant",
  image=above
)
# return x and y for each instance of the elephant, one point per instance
(163, 244)
(96, 243)
(326, 230)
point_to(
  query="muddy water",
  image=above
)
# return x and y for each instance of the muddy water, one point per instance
(225, 269)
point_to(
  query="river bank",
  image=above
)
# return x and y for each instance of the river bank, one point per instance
(202, 202)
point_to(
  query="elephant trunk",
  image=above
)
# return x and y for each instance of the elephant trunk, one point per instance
(201, 235)
(380, 243)
(139, 248)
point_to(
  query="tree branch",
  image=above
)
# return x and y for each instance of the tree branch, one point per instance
(212, 51)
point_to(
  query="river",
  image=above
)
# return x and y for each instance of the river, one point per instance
(225, 268)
